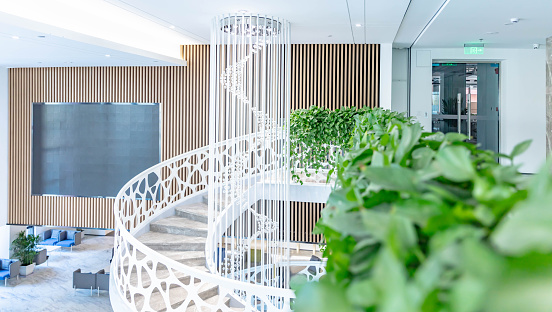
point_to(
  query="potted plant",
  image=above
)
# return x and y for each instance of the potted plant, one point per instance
(24, 249)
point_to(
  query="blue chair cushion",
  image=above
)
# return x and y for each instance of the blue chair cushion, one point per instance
(4, 274)
(71, 234)
(66, 243)
(49, 241)
(5, 265)
(56, 234)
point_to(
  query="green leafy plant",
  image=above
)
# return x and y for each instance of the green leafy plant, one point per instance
(24, 247)
(318, 134)
(426, 222)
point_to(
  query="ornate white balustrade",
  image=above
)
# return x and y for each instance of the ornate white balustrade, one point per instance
(140, 275)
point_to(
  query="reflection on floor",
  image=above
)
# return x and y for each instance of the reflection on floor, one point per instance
(50, 286)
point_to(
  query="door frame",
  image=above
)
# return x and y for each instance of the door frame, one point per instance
(501, 90)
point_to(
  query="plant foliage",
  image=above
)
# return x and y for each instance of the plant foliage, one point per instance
(426, 222)
(24, 247)
(318, 134)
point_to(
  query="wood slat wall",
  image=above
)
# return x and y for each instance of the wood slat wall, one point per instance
(322, 74)
(330, 76)
(183, 94)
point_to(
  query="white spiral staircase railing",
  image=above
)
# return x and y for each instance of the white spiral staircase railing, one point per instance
(138, 272)
(249, 180)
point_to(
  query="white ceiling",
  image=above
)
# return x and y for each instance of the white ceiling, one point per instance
(32, 51)
(467, 21)
(313, 21)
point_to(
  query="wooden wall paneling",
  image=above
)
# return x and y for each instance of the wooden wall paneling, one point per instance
(328, 75)
(181, 91)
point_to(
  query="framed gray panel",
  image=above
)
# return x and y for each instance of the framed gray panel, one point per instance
(92, 149)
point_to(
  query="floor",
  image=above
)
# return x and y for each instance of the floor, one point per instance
(50, 286)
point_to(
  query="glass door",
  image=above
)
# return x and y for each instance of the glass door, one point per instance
(465, 99)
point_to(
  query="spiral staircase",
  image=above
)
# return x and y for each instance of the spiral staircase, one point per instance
(161, 237)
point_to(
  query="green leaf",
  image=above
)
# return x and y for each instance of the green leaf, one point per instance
(455, 137)
(422, 157)
(322, 297)
(455, 163)
(520, 148)
(350, 223)
(392, 178)
(410, 137)
(528, 228)
(362, 293)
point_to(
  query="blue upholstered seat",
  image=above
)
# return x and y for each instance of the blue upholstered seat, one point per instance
(66, 243)
(49, 241)
(4, 274)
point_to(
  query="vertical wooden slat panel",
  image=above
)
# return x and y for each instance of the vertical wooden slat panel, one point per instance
(182, 105)
(331, 76)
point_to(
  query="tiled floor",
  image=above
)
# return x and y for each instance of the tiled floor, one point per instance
(49, 287)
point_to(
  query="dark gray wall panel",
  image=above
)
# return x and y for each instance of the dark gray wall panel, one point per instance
(91, 149)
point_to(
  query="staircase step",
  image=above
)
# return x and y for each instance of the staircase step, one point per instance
(179, 226)
(172, 242)
(206, 292)
(178, 295)
(213, 300)
(221, 202)
(189, 258)
(197, 212)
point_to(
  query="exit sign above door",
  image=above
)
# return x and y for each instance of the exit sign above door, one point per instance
(473, 50)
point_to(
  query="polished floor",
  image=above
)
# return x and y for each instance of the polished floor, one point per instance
(49, 287)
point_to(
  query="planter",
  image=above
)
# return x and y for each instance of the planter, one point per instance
(27, 269)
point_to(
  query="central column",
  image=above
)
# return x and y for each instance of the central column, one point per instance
(249, 149)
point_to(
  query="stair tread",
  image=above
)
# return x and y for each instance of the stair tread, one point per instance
(179, 222)
(182, 255)
(197, 208)
(213, 300)
(169, 239)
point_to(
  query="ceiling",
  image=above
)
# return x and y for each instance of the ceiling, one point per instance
(32, 50)
(428, 23)
(468, 21)
(312, 21)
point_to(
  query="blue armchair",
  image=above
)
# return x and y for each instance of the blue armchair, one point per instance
(72, 238)
(9, 269)
(52, 237)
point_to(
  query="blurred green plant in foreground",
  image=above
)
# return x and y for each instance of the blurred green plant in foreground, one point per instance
(426, 222)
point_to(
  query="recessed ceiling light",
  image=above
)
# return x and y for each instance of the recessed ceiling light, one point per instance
(242, 11)
(330, 36)
(172, 27)
(492, 33)
(107, 55)
(41, 37)
(358, 25)
(15, 37)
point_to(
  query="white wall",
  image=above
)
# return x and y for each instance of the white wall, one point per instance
(4, 229)
(386, 64)
(522, 95)
(399, 91)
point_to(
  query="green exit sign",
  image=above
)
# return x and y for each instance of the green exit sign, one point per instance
(473, 50)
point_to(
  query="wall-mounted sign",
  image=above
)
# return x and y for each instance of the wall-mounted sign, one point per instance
(473, 50)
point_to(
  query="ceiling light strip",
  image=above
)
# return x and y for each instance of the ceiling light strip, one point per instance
(350, 21)
(430, 22)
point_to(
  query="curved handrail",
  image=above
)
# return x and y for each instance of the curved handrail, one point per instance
(136, 268)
